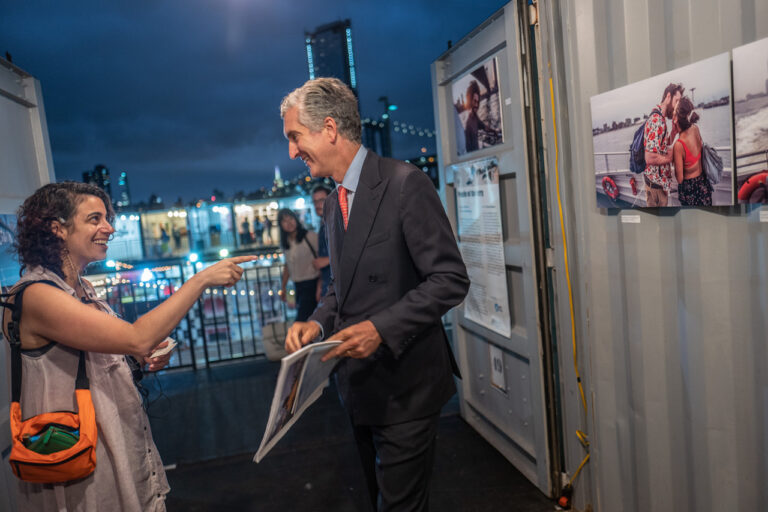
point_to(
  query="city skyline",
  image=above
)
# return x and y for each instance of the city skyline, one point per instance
(184, 95)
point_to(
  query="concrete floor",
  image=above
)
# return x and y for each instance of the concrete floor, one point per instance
(209, 424)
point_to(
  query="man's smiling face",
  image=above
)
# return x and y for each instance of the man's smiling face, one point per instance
(312, 147)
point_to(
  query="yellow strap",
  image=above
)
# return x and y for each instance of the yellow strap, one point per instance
(581, 435)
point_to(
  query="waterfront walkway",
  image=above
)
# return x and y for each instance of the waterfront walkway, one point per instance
(208, 423)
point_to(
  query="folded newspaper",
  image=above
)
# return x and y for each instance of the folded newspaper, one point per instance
(300, 382)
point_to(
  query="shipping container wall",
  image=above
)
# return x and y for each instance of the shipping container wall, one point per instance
(670, 303)
(25, 164)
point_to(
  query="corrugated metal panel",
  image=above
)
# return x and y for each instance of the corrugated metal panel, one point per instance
(671, 312)
(516, 419)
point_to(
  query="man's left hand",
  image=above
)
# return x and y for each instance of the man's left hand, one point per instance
(358, 341)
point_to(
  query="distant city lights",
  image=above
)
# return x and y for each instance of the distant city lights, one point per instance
(146, 275)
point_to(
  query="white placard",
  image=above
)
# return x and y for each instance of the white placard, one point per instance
(497, 369)
(481, 243)
(630, 219)
(763, 215)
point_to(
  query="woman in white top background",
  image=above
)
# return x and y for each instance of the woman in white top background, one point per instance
(300, 249)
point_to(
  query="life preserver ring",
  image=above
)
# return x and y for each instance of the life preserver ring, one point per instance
(633, 184)
(749, 186)
(610, 188)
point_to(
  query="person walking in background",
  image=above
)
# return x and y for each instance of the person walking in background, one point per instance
(165, 247)
(268, 230)
(176, 234)
(322, 262)
(396, 269)
(694, 188)
(62, 228)
(245, 232)
(300, 249)
(258, 230)
(658, 168)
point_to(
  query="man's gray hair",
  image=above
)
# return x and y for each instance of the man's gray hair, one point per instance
(325, 97)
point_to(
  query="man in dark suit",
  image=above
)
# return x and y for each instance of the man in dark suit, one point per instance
(395, 271)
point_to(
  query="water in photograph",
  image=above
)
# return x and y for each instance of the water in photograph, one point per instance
(751, 125)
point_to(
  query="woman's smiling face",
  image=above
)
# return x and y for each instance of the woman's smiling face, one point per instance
(87, 232)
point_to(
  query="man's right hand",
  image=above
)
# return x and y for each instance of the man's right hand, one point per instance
(299, 334)
(653, 158)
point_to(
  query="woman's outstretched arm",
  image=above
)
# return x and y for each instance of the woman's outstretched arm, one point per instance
(54, 315)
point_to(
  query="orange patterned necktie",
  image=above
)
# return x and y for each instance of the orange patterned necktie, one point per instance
(343, 206)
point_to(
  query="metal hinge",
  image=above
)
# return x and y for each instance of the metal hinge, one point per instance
(533, 12)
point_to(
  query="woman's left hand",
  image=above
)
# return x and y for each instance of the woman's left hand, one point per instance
(159, 362)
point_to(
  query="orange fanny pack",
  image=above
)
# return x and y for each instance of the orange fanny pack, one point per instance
(53, 447)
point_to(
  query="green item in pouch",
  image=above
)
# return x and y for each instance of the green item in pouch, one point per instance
(52, 439)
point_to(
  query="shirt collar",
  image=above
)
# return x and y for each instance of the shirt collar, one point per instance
(352, 176)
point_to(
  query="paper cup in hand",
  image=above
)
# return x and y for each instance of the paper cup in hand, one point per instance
(164, 350)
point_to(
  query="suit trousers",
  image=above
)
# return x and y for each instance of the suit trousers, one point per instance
(397, 463)
(306, 299)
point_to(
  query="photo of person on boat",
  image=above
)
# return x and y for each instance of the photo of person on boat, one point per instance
(639, 141)
(750, 106)
(477, 108)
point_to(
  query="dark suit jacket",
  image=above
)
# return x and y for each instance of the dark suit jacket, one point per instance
(398, 266)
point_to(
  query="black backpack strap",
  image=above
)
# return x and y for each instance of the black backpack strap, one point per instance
(14, 340)
(655, 110)
(314, 253)
(81, 381)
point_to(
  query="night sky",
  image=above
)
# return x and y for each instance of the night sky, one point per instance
(184, 94)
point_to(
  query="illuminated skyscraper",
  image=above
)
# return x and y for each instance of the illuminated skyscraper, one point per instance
(99, 176)
(330, 54)
(123, 192)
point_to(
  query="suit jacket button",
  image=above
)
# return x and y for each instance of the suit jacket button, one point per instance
(372, 278)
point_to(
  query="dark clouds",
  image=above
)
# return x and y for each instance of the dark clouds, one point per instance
(184, 94)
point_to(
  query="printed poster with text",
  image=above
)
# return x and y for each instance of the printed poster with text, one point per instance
(481, 243)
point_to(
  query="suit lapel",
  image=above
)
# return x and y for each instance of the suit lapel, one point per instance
(368, 195)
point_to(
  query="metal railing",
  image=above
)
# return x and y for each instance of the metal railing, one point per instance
(626, 154)
(224, 324)
(757, 160)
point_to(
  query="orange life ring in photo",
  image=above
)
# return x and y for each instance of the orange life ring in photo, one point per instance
(633, 184)
(610, 188)
(749, 186)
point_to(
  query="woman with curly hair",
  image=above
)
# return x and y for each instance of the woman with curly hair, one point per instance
(62, 228)
(300, 249)
(694, 188)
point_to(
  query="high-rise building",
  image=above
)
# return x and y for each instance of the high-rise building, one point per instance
(278, 182)
(99, 176)
(123, 192)
(330, 54)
